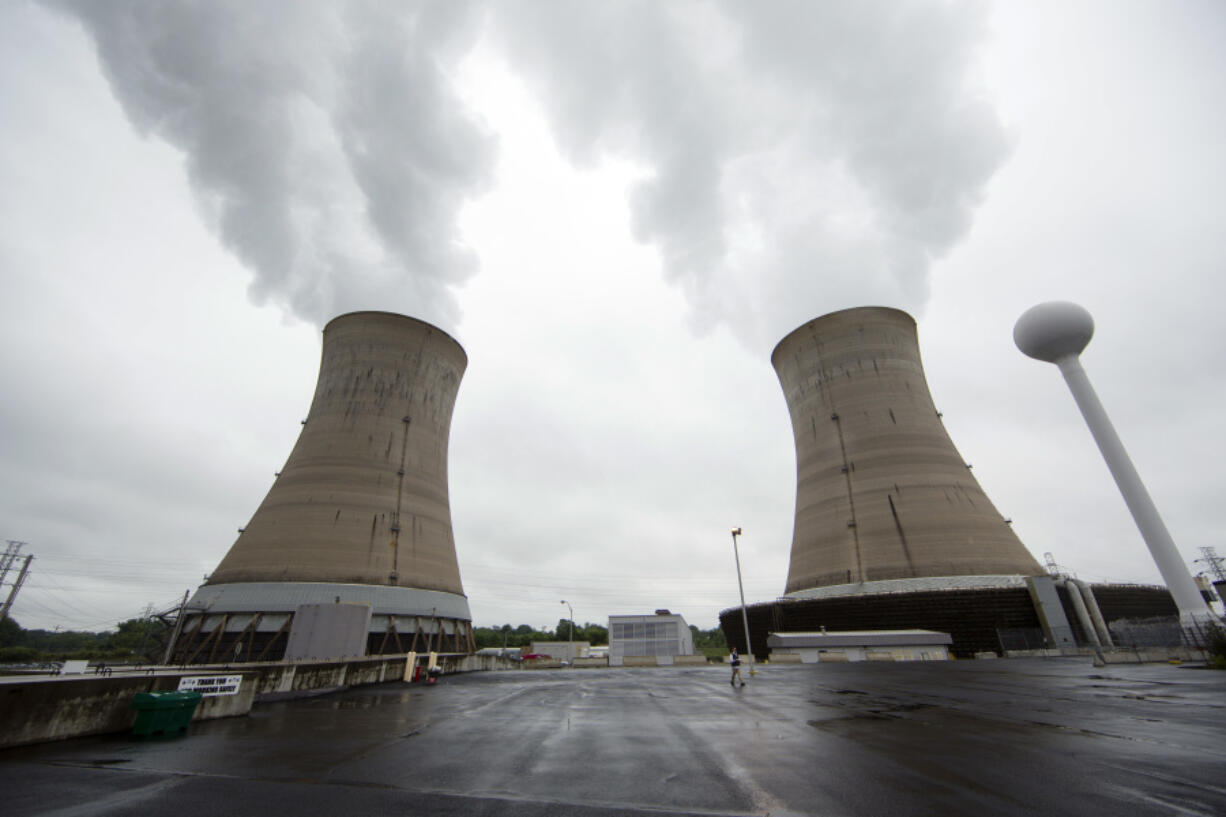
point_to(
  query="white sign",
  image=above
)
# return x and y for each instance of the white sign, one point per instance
(211, 685)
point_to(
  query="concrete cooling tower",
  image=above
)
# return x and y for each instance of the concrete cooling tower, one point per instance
(881, 492)
(359, 516)
(892, 532)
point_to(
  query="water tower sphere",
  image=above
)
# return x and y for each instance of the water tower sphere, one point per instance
(1053, 330)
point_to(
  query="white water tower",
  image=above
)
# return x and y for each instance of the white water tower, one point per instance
(1057, 332)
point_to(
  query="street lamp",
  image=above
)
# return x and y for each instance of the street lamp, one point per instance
(570, 645)
(741, 587)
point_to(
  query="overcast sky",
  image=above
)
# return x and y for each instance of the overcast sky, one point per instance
(617, 209)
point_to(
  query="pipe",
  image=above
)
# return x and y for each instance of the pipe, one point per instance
(1083, 615)
(1100, 623)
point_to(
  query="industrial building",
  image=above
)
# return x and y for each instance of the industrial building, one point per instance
(892, 531)
(358, 515)
(663, 635)
(873, 645)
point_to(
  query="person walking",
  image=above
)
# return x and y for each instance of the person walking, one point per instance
(735, 660)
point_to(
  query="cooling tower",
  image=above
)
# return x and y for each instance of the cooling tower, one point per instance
(359, 514)
(882, 495)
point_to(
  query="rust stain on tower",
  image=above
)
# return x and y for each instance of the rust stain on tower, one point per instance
(881, 491)
(360, 512)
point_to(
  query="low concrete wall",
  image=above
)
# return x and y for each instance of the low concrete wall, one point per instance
(476, 663)
(284, 679)
(44, 709)
(1118, 655)
(40, 709)
(690, 660)
(1045, 653)
(590, 662)
(1150, 655)
(639, 661)
(663, 661)
(785, 658)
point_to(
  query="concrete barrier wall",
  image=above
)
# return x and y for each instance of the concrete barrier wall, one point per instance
(319, 676)
(1045, 653)
(1151, 655)
(476, 663)
(43, 709)
(591, 663)
(785, 658)
(661, 661)
(689, 660)
(1119, 655)
(40, 710)
(639, 661)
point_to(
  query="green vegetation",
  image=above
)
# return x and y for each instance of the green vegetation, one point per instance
(710, 643)
(1215, 645)
(140, 640)
(524, 635)
(136, 640)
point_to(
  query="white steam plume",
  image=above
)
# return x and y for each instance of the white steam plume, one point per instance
(804, 156)
(324, 141)
(807, 156)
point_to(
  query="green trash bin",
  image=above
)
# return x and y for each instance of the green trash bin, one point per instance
(165, 712)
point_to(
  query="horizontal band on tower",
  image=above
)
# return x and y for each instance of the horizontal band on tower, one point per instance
(285, 597)
(926, 583)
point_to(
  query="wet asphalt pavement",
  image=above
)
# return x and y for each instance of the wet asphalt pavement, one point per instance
(1023, 736)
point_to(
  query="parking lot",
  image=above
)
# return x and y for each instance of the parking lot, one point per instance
(1006, 737)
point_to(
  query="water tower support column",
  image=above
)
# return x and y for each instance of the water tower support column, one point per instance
(1057, 332)
(1144, 512)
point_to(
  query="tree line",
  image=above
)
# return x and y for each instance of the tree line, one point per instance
(709, 642)
(137, 640)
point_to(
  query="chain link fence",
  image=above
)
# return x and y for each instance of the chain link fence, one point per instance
(1165, 631)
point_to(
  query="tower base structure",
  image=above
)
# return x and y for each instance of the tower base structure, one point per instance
(983, 614)
(252, 621)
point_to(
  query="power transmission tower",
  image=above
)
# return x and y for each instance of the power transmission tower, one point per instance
(25, 569)
(146, 625)
(1214, 563)
(7, 559)
(1053, 569)
(178, 625)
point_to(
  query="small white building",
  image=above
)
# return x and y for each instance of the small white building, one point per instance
(663, 636)
(860, 645)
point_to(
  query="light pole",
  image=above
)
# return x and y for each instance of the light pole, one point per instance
(741, 587)
(570, 645)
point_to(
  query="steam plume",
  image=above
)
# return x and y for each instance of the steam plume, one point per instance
(804, 157)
